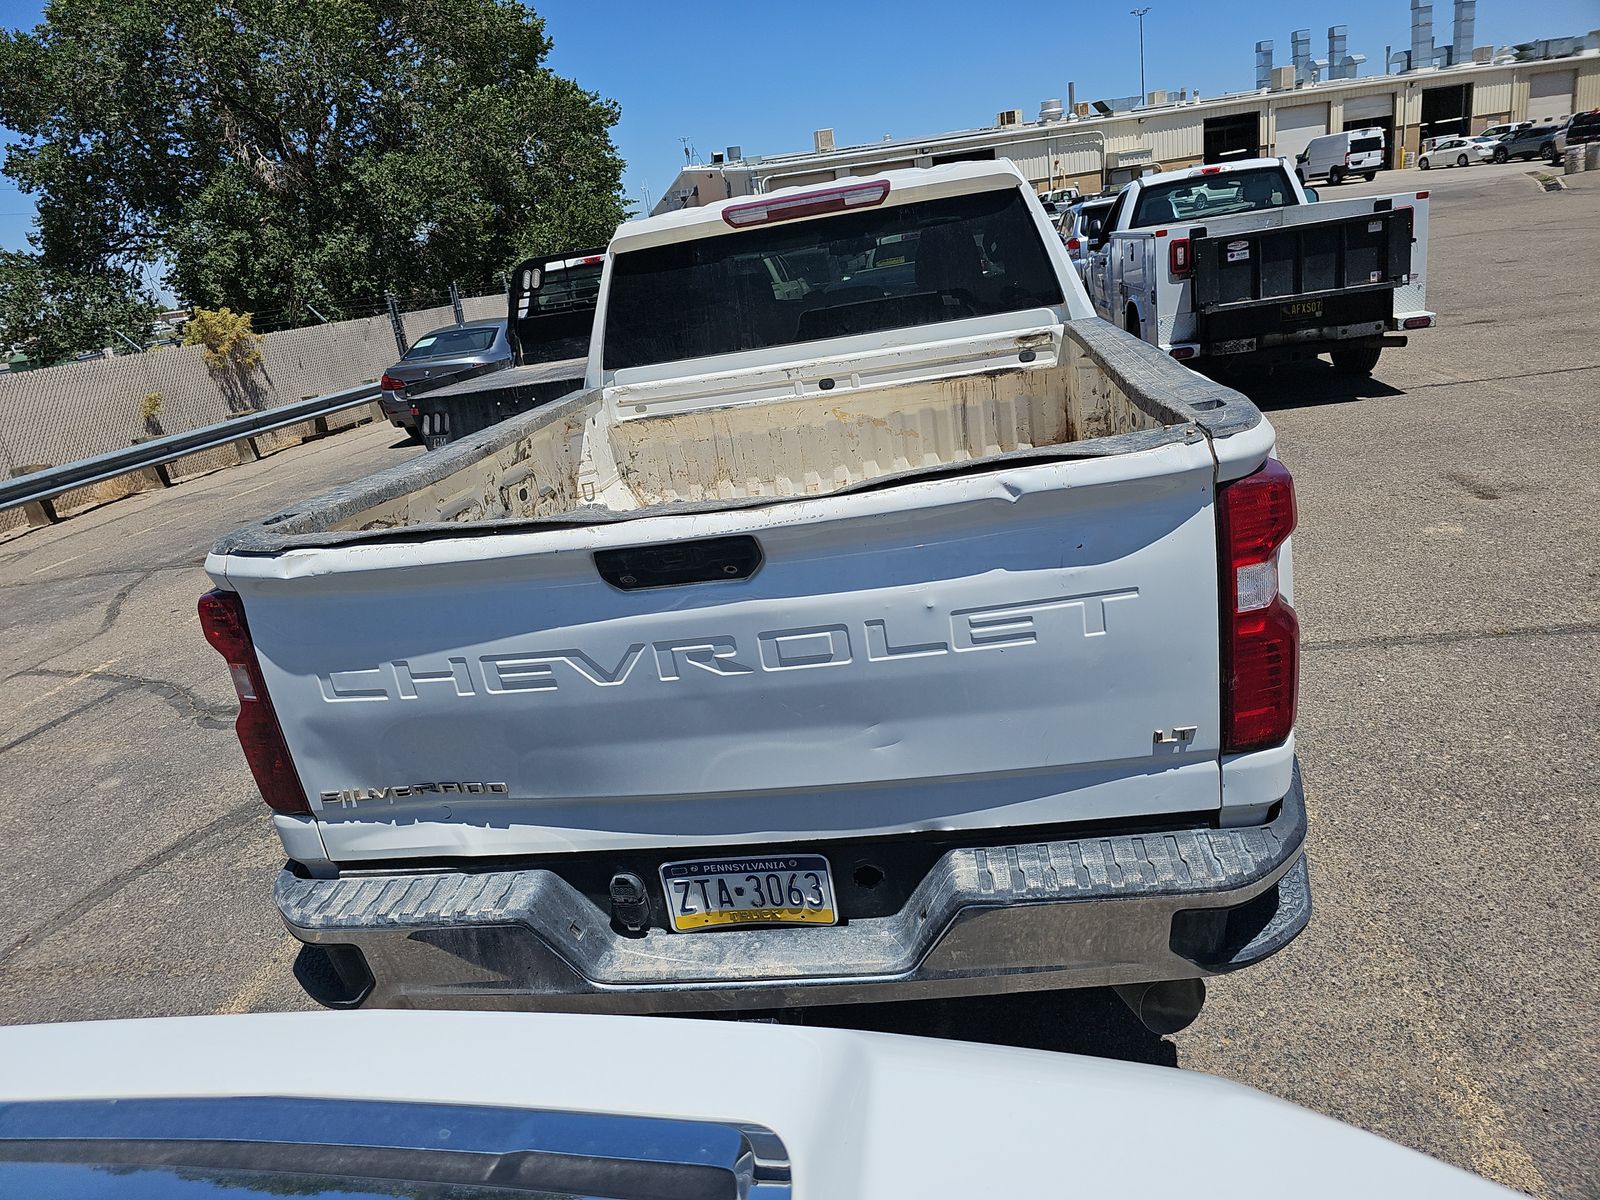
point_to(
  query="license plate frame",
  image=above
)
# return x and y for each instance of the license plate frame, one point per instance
(695, 890)
(1300, 310)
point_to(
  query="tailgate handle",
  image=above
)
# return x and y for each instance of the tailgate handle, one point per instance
(709, 560)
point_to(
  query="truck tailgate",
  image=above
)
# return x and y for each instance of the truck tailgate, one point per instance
(1305, 260)
(1025, 645)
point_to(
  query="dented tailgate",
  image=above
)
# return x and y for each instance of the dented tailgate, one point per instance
(1025, 645)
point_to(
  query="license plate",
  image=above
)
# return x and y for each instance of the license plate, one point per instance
(1301, 308)
(1234, 346)
(779, 889)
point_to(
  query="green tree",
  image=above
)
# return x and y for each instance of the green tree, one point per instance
(275, 153)
(54, 313)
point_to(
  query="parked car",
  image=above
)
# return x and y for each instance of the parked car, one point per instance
(1499, 131)
(877, 623)
(1337, 156)
(455, 350)
(1536, 141)
(1080, 225)
(1459, 152)
(1057, 199)
(474, 1106)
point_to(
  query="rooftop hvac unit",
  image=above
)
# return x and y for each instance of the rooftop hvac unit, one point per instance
(823, 139)
(735, 153)
(1050, 110)
(1081, 109)
(1011, 116)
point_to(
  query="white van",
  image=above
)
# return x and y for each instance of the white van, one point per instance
(1337, 156)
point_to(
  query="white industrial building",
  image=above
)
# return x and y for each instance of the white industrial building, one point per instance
(1095, 153)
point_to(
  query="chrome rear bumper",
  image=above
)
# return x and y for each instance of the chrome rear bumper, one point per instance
(1074, 913)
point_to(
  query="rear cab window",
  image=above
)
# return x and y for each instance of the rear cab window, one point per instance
(564, 288)
(1202, 196)
(899, 266)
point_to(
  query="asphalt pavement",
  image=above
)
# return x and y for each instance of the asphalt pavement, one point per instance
(1448, 584)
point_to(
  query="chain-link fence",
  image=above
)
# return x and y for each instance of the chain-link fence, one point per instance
(61, 414)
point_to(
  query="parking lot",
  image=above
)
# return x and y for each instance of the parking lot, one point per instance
(1448, 583)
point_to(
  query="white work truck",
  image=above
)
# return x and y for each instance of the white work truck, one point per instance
(877, 623)
(1239, 262)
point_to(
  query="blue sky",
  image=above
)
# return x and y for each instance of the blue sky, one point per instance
(763, 75)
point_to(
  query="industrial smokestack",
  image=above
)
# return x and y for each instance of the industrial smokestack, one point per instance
(1466, 20)
(1422, 52)
(1304, 69)
(1264, 64)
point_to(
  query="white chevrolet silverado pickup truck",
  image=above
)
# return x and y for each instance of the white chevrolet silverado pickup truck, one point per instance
(876, 623)
(1238, 262)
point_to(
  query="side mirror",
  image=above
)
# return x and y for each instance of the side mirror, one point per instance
(1311, 195)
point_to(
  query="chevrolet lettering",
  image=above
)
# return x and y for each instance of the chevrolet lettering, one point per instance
(1000, 627)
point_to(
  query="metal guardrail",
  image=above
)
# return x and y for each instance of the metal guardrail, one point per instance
(43, 485)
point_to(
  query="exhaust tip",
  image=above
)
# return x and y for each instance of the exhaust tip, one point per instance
(1164, 1007)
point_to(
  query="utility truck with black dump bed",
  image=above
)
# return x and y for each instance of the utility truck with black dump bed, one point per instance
(1239, 263)
(876, 623)
(550, 302)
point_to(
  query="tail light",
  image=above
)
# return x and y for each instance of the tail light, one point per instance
(222, 619)
(1180, 258)
(1260, 632)
(390, 384)
(1074, 244)
(1417, 323)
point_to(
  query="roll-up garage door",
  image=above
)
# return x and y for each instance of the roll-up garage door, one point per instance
(1364, 108)
(1297, 126)
(1550, 95)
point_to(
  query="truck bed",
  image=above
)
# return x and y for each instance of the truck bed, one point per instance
(1095, 393)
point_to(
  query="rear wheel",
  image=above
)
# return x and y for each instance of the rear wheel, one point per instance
(1356, 360)
(1500, 154)
(1336, 176)
(1550, 154)
(1461, 160)
(1370, 176)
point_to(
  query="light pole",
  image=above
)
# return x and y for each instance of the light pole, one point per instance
(1140, 12)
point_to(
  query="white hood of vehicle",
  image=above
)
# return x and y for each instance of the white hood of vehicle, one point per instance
(860, 1115)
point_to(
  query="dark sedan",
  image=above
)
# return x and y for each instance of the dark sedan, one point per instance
(475, 348)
